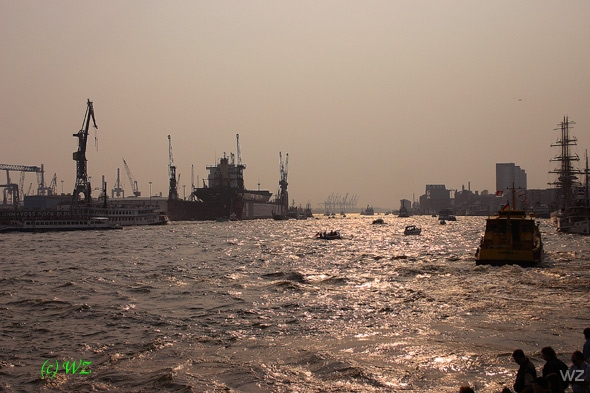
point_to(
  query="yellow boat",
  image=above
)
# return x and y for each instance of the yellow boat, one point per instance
(511, 237)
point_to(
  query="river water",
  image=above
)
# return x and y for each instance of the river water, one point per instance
(262, 306)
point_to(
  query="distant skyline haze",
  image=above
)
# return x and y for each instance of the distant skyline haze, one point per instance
(375, 99)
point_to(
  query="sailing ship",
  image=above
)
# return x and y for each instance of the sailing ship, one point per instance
(572, 214)
(511, 237)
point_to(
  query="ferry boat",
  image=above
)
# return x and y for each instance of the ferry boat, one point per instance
(126, 215)
(36, 223)
(511, 238)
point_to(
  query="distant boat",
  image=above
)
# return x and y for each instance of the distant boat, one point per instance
(403, 210)
(332, 235)
(412, 230)
(446, 215)
(368, 211)
(378, 221)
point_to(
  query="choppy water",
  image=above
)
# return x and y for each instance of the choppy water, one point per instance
(262, 306)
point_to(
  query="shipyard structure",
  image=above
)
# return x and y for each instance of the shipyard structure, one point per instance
(223, 195)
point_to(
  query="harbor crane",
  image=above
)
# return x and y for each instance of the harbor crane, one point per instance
(82, 185)
(117, 189)
(283, 194)
(132, 180)
(12, 190)
(241, 166)
(172, 191)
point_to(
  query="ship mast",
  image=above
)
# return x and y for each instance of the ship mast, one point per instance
(566, 174)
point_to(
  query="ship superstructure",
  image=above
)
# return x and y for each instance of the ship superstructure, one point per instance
(222, 195)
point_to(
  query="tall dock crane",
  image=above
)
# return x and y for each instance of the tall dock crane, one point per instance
(283, 194)
(172, 191)
(241, 166)
(132, 180)
(117, 189)
(82, 185)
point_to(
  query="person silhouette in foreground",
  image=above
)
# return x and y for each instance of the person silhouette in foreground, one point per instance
(579, 373)
(586, 349)
(553, 365)
(526, 373)
(555, 383)
(465, 389)
(541, 385)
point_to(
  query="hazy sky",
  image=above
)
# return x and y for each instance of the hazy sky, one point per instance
(373, 98)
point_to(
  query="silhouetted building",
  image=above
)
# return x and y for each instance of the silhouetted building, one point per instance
(507, 175)
(437, 197)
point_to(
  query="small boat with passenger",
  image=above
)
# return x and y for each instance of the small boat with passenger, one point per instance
(412, 230)
(332, 235)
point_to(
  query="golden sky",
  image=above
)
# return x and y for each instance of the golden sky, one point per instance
(373, 98)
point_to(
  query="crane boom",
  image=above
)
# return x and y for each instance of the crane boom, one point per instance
(82, 185)
(172, 191)
(132, 180)
(283, 193)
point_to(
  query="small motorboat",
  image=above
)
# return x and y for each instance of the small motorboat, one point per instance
(412, 230)
(442, 222)
(332, 235)
(378, 221)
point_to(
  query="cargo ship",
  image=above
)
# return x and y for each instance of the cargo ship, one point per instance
(223, 194)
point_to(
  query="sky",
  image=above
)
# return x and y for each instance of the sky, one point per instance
(374, 99)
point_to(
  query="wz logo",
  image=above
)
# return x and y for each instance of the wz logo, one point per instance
(50, 370)
(572, 375)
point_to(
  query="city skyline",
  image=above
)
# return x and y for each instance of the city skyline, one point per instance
(374, 99)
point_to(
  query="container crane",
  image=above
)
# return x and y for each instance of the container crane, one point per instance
(82, 185)
(172, 191)
(132, 180)
(12, 189)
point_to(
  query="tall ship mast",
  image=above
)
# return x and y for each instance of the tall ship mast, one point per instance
(567, 179)
(572, 213)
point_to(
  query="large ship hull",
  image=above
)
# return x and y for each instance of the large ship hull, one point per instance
(242, 209)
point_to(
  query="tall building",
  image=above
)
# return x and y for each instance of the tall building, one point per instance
(507, 175)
